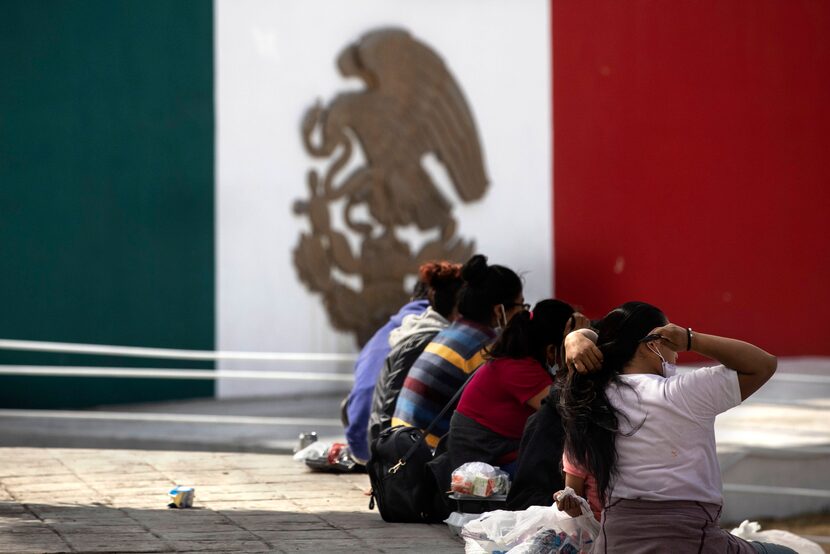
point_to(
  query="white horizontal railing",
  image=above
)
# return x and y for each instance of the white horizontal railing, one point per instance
(170, 353)
(160, 373)
(153, 417)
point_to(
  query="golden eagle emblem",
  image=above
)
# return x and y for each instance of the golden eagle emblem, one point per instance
(411, 107)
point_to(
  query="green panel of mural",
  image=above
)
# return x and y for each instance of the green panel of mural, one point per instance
(106, 190)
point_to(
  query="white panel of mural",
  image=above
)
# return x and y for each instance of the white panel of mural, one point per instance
(356, 139)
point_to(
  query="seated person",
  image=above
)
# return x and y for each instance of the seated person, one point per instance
(443, 279)
(356, 406)
(489, 297)
(494, 407)
(584, 484)
(540, 452)
(647, 434)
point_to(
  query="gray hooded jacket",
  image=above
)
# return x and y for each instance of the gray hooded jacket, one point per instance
(407, 342)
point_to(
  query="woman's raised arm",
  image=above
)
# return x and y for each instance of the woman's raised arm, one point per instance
(753, 365)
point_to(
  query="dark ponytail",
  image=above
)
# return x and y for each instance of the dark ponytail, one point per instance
(444, 280)
(528, 334)
(486, 286)
(591, 422)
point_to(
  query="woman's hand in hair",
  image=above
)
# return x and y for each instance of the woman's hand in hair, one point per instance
(577, 321)
(673, 336)
(581, 352)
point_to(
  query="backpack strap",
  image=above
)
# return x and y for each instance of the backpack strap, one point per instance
(425, 432)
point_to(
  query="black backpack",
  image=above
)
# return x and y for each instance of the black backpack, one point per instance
(403, 487)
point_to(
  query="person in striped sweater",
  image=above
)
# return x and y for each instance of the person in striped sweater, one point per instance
(490, 296)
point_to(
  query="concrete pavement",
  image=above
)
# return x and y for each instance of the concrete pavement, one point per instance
(84, 500)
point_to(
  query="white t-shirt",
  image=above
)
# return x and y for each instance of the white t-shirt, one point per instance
(672, 455)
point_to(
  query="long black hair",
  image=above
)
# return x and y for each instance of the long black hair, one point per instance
(591, 422)
(528, 334)
(486, 286)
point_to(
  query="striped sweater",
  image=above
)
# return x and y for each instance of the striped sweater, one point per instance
(437, 375)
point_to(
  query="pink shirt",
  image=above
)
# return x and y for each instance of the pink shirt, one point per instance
(591, 491)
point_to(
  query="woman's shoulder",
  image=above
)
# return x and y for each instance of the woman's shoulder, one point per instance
(515, 364)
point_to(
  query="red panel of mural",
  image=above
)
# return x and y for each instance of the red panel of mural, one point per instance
(692, 164)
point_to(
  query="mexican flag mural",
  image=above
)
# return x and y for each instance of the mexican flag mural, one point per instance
(266, 176)
(257, 176)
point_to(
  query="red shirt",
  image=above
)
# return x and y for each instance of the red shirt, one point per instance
(497, 395)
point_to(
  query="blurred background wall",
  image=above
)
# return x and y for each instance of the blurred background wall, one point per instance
(691, 144)
(150, 154)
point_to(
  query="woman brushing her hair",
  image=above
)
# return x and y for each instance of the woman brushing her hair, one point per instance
(647, 434)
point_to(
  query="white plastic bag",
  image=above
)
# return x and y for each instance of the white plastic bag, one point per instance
(575, 535)
(751, 531)
(457, 520)
(526, 531)
(590, 521)
(313, 450)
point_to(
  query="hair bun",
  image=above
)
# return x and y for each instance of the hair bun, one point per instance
(437, 272)
(475, 270)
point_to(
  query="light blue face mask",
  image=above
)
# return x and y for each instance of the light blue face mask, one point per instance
(669, 370)
(503, 321)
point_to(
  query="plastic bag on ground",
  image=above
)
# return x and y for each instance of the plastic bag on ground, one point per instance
(479, 479)
(313, 450)
(751, 531)
(535, 530)
(457, 520)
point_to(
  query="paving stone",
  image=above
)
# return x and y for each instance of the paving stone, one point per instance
(29, 471)
(328, 546)
(230, 495)
(262, 524)
(223, 546)
(16, 481)
(77, 513)
(27, 529)
(24, 520)
(136, 479)
(10, 510)
(34, 549)
(26, 543)
(304, 534)
(405, 531)
(91, 528)
(256, 520)
(210, 534)
(34, 487)
(135, 542)
(246, 505)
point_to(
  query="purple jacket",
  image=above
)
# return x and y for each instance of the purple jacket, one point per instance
(366, 372)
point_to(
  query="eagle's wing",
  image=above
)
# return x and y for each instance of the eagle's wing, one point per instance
(434, 115)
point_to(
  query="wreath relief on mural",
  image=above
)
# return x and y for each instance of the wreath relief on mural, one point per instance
(411, 107)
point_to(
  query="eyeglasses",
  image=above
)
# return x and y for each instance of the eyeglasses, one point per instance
(525, 307)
